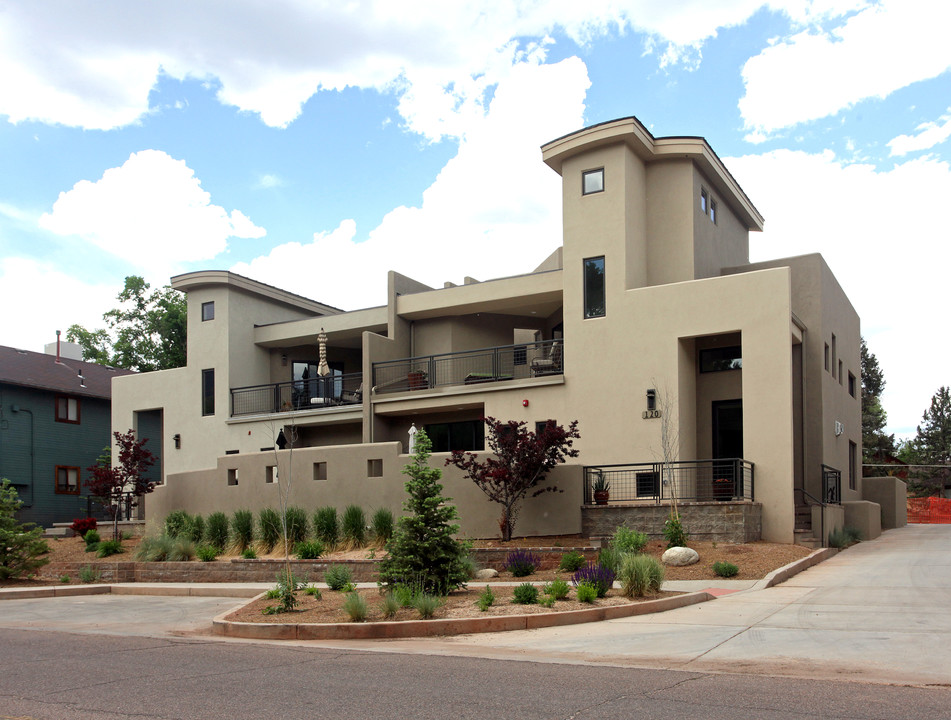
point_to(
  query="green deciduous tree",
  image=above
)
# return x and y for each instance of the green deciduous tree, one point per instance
(932, 443)
(147, 332)
(21, 545)
(423, 552)
(875, 441)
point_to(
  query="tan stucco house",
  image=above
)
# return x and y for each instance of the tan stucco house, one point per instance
(649, 326)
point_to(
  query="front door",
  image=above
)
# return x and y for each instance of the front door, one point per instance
(728, 443)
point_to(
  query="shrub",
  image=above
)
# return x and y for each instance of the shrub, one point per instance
(206, 553)
(423, 549)
(182, 550)
(354, 525)
(548, 601)
(177, 523)
(287, 584)
(92, 547)
(312, 591)
(163, 548)
(296, 520)
(626, 540)
(242, 529)
(609, 557)
(599, 576)
(486, 599)
(109, 547)
(525, 594)
(91, 537)
(338, 576)
(382, 525)
(64, 579)
(674, 532)
(355, 606)
(405, 595)
(725, 569)
(196, 529)
(391, 605)
(469, 565)
(521, 562)
(640, 574)
(249, 554)
(571, 561)
(269, 524)
(557, 589)
(217, 534)
(426, 605)
(586, 592)
(89, 574)
(309, 549)
(81, 526)
(325, 525)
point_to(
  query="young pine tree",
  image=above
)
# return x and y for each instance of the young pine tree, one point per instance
(422, 552)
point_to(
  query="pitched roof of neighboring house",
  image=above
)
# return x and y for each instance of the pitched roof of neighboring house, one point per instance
(39, 370)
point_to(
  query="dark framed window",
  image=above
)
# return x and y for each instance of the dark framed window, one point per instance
(719, 359)
(704, 200)
(851, 384)
(592, 181)
(827, 357)
(468, 435)
(208, 392)
(67, 480)
(67, 409)
(594, 287)
(713, 211)
(647, 484)
(853, 463)
(208, 311)
(540, 425)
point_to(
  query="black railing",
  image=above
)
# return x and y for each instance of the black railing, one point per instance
(691, 480)
(309, 394)
(469, 367)
(831, 485)
(93, 507)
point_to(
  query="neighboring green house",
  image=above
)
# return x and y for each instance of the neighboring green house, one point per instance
(55, 420)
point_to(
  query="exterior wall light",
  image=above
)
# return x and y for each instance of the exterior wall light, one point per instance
(178, 441)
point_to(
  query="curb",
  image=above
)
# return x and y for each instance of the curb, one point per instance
(794, 568)
(125, 589)
(443, 627)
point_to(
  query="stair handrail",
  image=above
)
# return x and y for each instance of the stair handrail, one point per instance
(822, 514)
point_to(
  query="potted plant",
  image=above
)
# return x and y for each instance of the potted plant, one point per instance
(723, 489)
(601, 489)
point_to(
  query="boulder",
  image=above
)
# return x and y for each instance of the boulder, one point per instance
(486, 574)
(680, 556)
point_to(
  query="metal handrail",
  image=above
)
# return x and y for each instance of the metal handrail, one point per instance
(697, 480)
(307, 394)
(822, 513)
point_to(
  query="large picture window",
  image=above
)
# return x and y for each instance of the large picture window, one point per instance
(717, 359)
(67, 409)
(208, 392)
(594, 287)
(468, 435)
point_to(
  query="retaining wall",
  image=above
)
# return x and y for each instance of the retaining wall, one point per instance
(737, 522)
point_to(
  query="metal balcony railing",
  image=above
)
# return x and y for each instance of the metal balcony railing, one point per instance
(469, 367)
(310, 394)
(831, 485)
(690, 480)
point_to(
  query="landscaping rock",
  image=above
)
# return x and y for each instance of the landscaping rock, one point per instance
(679, 556)
(486, 574)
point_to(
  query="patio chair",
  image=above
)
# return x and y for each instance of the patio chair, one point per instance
(550, 365)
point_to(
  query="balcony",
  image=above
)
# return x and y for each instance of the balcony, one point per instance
(469, 367)
(687, 480)
(310, 394)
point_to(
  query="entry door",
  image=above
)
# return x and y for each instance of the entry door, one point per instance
(727, 437)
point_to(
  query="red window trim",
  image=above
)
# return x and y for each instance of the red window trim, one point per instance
(56, 485)
(79, 409)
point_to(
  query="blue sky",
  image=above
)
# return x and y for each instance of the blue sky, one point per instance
(316, 145)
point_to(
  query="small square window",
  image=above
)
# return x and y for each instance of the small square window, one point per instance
(592, 181)
(270, 474)
(713, 211)
(704, 201)
(374, 468)
(208, 311)
(232, 476)
(67, 480)
(320, 471)
(67, 409)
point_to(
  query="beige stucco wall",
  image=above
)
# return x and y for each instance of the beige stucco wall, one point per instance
(347, 483)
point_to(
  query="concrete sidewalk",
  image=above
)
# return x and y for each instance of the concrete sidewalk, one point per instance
(879, 611)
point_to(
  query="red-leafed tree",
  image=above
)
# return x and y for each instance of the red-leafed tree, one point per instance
(522, 461)
(126, 482)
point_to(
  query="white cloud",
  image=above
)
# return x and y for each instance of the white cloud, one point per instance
(815, 73)
(151, 211)
(92, 64)
(882, 233)
(493, 210)
(929, 134)
(33, 317)
(270, 181)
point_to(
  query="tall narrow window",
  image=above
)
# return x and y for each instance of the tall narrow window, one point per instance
(704, 201)
(67, 409)
(834, 355)
(713, 211)
(853, 464)
(827, 357)
(594, 287)
(208, 311)
(592, 181)
(67, 480)
(851, 384)
(207, 392)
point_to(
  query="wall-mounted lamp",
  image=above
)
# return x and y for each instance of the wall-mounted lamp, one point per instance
(178, 441)
(651, 399)
(284, 359)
